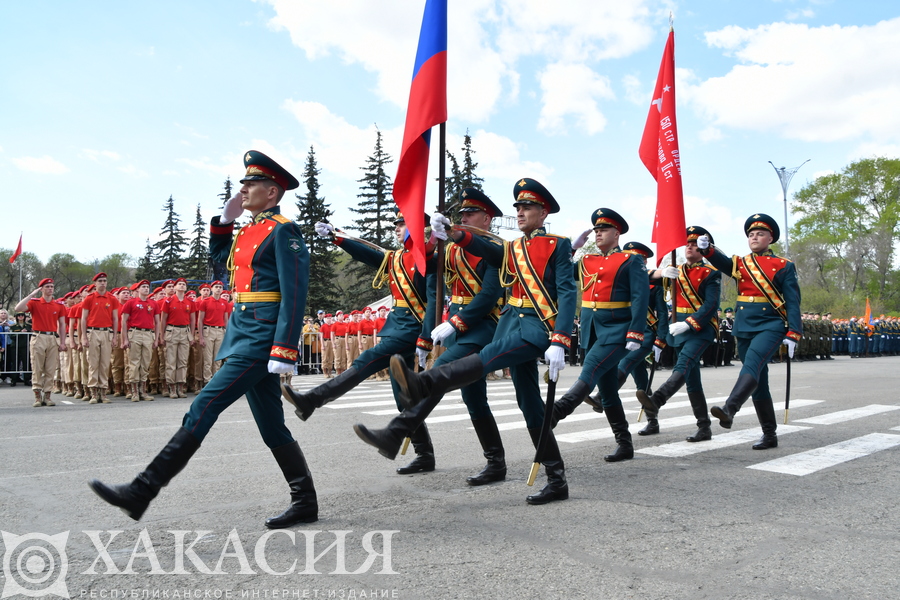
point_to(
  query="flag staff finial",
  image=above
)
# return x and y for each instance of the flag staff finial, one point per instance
(671, 21)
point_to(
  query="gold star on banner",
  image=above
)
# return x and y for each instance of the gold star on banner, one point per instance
(522, 183)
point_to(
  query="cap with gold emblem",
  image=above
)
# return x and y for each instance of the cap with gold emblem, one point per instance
(695, 231)
(260, 167)
(762, 221)
(528, 191)
(607, 217)
(637, 248)
(473, 199)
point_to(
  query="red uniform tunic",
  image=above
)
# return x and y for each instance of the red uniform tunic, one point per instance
(339, 329)
(100, 309)
(141, 314)
(178, 311)
(325, 330)
(214, 311)
(367, 327)
(45, 315)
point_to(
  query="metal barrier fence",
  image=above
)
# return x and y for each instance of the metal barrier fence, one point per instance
(15, 358)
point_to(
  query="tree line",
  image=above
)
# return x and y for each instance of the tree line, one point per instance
(336, 281)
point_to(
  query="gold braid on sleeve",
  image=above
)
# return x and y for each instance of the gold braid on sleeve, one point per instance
(229, 263)
(382, 275)
(507, 277)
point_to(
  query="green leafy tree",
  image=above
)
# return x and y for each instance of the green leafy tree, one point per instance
(67, 272)
(197, 262)
(323, 258)
(169, 251)
(119, 269)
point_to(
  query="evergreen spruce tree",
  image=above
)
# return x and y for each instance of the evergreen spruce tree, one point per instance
(226, 195)
(197, 262)
(461, 176)
(170, 249)
(375, 212)
(147, 268)
(322, 293)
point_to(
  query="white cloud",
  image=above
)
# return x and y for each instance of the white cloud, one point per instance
(572, 89)
(96, 155)
(45, 164)
(710, 134)
(634, 93)
(818, 84)
(803, 13)
(134, 171)
(871, 149)
(489, 39)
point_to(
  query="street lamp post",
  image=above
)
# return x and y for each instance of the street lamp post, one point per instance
(785, 175)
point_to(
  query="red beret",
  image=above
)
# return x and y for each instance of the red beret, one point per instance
(157, 290)
(204, 286)
(99, 275)
(45, 281)
(179, 280)
(140, 283)
(168, 281)
(217, 282)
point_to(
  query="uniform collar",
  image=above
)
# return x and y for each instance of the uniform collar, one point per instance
(767, 252)
(536, 233)
(267, 214)
(612, 251)
(695, 265)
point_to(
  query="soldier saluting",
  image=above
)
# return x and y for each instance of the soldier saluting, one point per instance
(768, 315)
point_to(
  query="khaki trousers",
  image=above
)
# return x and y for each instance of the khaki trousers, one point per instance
(44, 360)
(154, 365)
(139, 354)
(340, 354)
(98, 357)
(352, 349)
(177, 345)
(327, 357)
(213, 337)
(118, 365)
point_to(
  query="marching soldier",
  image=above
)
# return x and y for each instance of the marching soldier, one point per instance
(49, 326)
(537, 268)
(474, 311)
(768, 315)
(696, 290)
(401, 335)
(269, 264)
(615, 296)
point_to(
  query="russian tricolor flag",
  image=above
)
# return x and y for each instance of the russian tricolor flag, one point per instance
(427, 108)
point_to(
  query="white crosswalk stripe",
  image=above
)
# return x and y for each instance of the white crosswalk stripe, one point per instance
(804, 463)
(718, 441)
(848, 415)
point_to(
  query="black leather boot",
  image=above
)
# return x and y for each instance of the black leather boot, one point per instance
(566, 405)
(304, 507)
(387, 440)
(305, 403)
(489, 436)
(424, 460)
(742, 389)
(652, 427)
(434, 382)
(135, 497)
(662, 393)
(619, 424)
(698, 405)
(556, 488)
(765, 411)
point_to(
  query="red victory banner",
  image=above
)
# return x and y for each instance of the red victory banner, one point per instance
(659, 153)
(18, 251)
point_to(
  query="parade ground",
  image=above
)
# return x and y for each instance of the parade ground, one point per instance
(815, 518)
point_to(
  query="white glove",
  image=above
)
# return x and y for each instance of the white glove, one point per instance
(670, 272)
(657, 353)
(556, 360)
(703, 242)
(232, 209)
(281, 368)
(581, 240)
(632, 346)
(791, 344)
(324, 229)
(442, 332)
(678, 328)
(440, 225)
(421, 356)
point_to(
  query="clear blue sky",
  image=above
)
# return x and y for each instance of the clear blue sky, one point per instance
(110, 107)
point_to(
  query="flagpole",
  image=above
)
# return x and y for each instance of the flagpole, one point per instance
(439, 296)
(20, 268)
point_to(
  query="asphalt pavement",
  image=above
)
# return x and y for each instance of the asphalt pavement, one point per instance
(816, 517)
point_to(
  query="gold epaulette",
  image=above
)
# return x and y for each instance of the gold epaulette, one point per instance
(281, 219)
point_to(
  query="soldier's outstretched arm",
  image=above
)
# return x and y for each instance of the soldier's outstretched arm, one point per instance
(292, 262)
